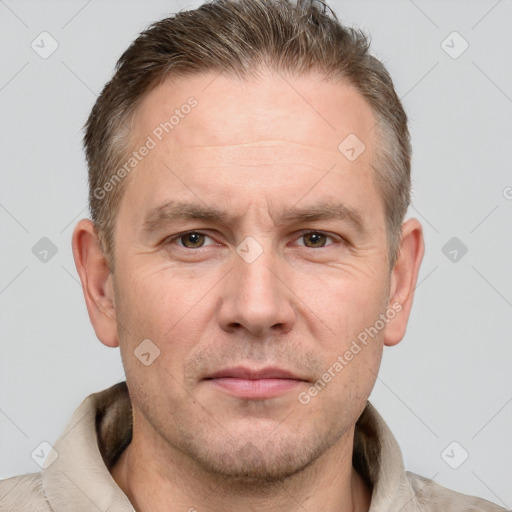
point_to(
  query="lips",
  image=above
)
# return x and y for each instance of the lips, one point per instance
(240, 372)
(246, 383)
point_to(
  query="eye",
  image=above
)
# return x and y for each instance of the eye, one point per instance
(196, 240)
(315, 239)
(191, 240)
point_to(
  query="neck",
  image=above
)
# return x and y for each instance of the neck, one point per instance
(156, 477)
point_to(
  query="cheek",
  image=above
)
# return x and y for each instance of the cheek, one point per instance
(170, 311)
(351, 369)
(352, 304)
(353, 348)
(160, 299)
(337, 398)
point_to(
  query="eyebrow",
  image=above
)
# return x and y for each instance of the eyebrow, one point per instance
(173, 211)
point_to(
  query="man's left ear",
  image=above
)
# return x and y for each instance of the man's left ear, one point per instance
(403, 280)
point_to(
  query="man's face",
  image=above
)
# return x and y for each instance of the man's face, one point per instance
(277, 277)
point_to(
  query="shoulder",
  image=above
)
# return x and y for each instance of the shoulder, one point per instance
(23, 494)
(433, 497)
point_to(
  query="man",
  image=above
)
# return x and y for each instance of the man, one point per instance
(249, 172)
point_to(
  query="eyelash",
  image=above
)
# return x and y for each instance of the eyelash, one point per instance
(303, 234)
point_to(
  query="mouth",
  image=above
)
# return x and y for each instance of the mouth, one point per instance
(253, 384)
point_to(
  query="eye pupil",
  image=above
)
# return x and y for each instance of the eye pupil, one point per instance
(192, 239)
(316, 239)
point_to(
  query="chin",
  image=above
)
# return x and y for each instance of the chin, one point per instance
(258, 461)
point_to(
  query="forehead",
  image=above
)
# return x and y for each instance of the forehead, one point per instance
(214, 135)
(305, 110)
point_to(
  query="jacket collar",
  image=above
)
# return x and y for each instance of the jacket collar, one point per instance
(101, 428)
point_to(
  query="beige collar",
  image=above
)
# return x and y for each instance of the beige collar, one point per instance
(101, 428)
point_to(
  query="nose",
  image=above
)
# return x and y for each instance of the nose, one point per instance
(256, 298)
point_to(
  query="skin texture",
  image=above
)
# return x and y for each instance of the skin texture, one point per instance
(250, 148)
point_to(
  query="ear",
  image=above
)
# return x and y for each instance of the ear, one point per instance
(403, 280)
(96, 279)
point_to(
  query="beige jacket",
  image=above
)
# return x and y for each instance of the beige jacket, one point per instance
(75, 476)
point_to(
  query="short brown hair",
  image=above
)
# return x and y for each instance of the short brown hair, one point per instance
(239, 37)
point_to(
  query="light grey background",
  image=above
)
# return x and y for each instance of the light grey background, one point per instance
(449, 379)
